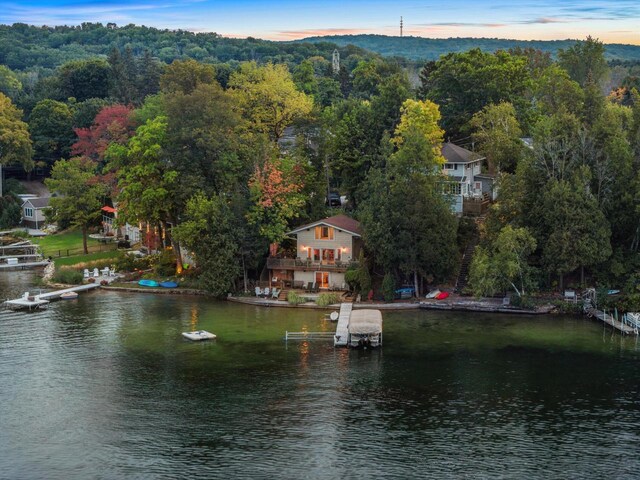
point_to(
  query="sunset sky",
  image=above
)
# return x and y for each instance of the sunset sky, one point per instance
(610, 21)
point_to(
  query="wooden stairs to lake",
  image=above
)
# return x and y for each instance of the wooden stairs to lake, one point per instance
(283, 294)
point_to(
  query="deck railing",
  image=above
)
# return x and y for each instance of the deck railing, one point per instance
(275, 263)
(307, 335)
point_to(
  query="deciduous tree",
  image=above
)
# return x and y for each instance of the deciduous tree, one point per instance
(497, 132)
(79, 196)
(268, 98)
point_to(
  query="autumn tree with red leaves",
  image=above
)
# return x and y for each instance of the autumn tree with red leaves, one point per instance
(276, 196)
(113, 124)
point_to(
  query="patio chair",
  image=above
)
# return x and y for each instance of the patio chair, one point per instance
(275, 293)
(266, 292)
(86, 273)
(308, 288)
(96, 272)
(315, 288)
(258, 292)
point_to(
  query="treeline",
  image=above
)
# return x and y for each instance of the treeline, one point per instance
(198, 149)
(418, 48)
(26, 47)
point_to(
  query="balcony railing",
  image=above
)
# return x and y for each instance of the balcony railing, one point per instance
(274, 263)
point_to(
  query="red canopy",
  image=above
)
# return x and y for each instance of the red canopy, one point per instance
(108, 209)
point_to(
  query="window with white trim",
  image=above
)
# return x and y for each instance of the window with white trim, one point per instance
(28, 212)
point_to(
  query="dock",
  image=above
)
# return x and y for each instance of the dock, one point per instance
(610, 320)
(35, 302)
(341, 337)
(353, 329)
(21, 255)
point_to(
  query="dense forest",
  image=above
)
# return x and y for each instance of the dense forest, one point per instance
(197, 147)
(419, 48)
(24, 47)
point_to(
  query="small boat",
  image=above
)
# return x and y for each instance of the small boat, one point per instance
(433, 294)
(406, 292)
(199, 335)
(148, 283)
(442, 296)
(168, 284)
(613, 292)
(69, 296)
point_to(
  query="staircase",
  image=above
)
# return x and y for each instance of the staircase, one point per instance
(283, 294)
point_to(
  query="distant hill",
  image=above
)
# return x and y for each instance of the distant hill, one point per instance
(26, 46)
(418, 48)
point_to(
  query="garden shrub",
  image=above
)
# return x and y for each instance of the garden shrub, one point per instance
(326, 299)
(164, 265)
(130, 263)
(294, 299)
(67, 276)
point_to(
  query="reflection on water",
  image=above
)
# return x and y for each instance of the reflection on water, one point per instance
(106, 387)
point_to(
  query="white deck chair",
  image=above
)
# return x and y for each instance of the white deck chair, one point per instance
(258, 291)
(96, 272)
(266, 292)
(86, 273)
(275, 293)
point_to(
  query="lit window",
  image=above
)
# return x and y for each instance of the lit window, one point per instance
(324, 233)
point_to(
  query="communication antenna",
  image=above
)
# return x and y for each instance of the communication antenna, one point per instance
(401, 26)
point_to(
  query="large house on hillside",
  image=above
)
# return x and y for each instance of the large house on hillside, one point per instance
(469, 189)
(324, 251)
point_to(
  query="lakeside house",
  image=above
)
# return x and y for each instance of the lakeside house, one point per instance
(127, 232)
(469, 189)
(324, 251)
(33, 212)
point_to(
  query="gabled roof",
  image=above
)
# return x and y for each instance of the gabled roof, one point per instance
(455, 154)
(41, 202)
(341, 222)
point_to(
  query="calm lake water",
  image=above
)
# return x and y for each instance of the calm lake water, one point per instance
(105, 387)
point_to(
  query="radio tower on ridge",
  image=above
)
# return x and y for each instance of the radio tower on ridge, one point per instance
(401, 26)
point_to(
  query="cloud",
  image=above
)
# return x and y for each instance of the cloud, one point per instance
(542, 21)
(319, 32)
(460, 24)
(85, 11)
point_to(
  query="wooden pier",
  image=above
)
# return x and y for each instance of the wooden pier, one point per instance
(35, 302)
(20, 255)
(610, 320)
(341, 337)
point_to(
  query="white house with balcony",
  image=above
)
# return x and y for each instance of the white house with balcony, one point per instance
(324, 251)
(467, 187)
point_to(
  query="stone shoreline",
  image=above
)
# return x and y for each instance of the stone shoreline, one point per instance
(470, 305)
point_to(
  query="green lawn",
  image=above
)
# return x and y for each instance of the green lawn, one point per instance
(67, 243)
(92, 257)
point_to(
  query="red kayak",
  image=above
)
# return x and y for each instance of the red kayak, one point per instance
(442, 295)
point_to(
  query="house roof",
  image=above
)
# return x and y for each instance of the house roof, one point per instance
(485, 176)
(341, 222)
(41, 202)
(455, 154)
